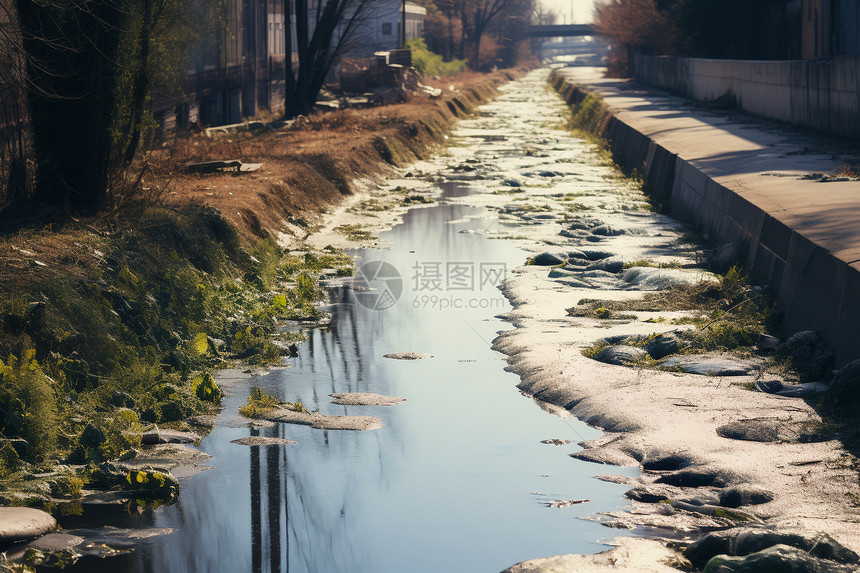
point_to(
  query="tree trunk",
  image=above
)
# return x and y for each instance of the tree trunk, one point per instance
(71, 52)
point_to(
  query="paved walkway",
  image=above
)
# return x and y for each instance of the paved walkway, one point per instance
(815, 261)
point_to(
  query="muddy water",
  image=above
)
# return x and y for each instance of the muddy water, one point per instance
(457, 479)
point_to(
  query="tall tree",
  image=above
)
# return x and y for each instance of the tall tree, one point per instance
(322, 35)
(477, 16)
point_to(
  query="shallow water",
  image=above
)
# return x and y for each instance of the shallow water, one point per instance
(457, 479)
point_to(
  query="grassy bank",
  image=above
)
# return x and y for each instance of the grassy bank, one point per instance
(112, 324)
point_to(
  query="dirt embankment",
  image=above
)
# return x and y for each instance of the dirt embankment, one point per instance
(312, 165)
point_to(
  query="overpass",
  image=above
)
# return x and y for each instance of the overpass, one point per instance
(557, 30)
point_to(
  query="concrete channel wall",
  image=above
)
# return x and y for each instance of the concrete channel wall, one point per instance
(823, 94)
(814, 287)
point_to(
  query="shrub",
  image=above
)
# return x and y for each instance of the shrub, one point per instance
(431, 64)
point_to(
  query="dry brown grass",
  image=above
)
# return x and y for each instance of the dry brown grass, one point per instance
(312, 167)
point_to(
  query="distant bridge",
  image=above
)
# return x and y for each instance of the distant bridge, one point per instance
(555, 30)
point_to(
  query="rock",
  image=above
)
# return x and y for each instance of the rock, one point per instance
(620, 355)
(511, 183)
(549, 174)
(21, 523)
(693, 478)
(364, 399)
(801, 390)
(708, 366)
(407, 356)
(207, 390)
(776, 559)
(647, 494)
(750, 430)
(608, 231)
(662, 345)
(595, 255)
(845, 388)
(55, 542)
(670, 462)
(726, 257)
(767, 342)
(769, 386)
(323, 421)
(744, 494)
(92, 436)
(547, 259)
(746, 541)
(561, 273)
(808, 354)
(171, 411)
(610, 265)
(203, 421)
(576, 254)
(261, 441)
(153, 484)
(158, 436)
(651, 278)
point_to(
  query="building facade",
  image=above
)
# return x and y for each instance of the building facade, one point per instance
(239, 71)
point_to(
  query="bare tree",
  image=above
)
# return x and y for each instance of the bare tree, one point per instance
(322, 34)
(477, 16)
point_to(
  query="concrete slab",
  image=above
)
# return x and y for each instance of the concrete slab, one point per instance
(738, 178)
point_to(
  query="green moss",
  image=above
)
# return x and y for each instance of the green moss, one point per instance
(259, 403)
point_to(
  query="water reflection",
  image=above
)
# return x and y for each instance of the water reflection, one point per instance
(456, 478)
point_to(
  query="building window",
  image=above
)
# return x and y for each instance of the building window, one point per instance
(386, 28)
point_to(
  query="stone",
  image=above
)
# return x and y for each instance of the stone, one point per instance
(744, 494)
(547, 259)
(153, 484)
(610, 265)
(808, 354)
(407, 356)
(745, 541)
(845, 388)
(669, 462)
(769, 386)
(726, 257)
(767, 342)
(646, 495)
(801, 390)
(708, 366)
(692, 478)
(751, 431)
(775, 559)
(577, 254)
(662, 345)
(92, 436)
(22, 523)
(620, 355)
(654, 279)
(364, 399)
(608, 231)
(596, 255)
(158, 436)
(511, 183)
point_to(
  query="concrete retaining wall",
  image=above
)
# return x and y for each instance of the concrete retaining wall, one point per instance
(814, 288)
(823, 94)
